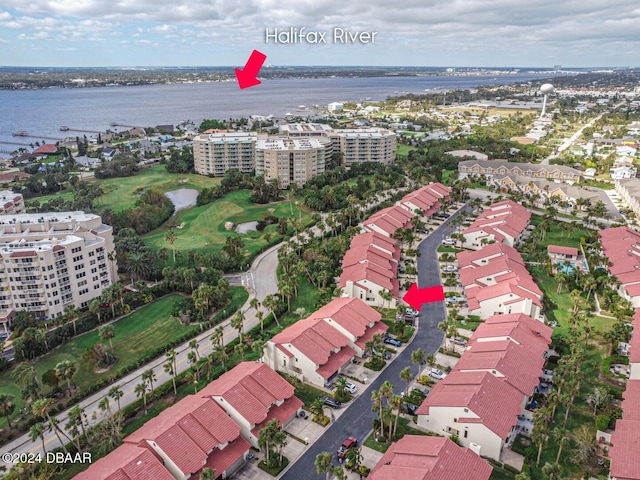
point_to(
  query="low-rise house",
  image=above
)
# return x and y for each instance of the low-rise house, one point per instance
(629, 191)
(192, 434)
(128, 462)
(488, 168)
(515, 327)
(417, 457)
(317, 348)
(621, 245)
(252, 394)
(427, 199)
(388, 220)
(496, 281)
(625, 441)
(559, 254)
(480, 409)
(501, 222)
(619, 173)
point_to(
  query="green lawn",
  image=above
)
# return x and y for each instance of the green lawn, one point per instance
(119, 192)
(204, 226)
(135, 336)
(403, 150)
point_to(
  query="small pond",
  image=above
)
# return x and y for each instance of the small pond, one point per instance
(247, 227)
(183, 198)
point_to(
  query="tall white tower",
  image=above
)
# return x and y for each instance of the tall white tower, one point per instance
(545, 89)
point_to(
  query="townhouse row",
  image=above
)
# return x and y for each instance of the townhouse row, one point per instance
(489, 168)
(503, 222)
(214, 428)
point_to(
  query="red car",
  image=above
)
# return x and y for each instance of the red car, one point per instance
(347, 445)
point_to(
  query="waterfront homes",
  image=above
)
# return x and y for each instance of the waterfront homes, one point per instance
(496, 281)
(252, 394)
(215, 153)
(621, 245)
(501, 222)
(489, 168)
(429, 458)
(52, 260)
(315, 349)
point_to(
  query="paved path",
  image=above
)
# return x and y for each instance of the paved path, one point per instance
(358, 418)
(264, 281)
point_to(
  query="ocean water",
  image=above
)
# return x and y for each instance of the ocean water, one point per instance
(40, 113)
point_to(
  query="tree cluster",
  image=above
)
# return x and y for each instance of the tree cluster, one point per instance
(122, 165)
(180, 161)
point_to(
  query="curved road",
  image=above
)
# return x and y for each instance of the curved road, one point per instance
(261, 280)
(358, 418)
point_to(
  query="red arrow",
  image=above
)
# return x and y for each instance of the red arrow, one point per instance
(247, 76)
(417, 296)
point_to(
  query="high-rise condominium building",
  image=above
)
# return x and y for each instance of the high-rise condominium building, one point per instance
(292, 160)
(51, 260)
(215, 153)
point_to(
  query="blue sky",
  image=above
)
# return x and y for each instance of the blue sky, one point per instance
(223, 32)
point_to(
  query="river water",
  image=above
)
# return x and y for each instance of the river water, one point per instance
(40, 113)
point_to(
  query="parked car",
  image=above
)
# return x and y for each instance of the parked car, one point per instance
(437, 374)
(393, 341)
(448, 241)
(347, 445)
(459, 341)
(410, 319)
(449, 268)
(410, 408)
(412, 312)
(331, 402)
(351, 388)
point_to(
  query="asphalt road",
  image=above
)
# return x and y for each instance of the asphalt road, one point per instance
(357, 420)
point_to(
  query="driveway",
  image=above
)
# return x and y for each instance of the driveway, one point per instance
(358, 418)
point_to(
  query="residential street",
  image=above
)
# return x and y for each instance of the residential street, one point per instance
(357, 419)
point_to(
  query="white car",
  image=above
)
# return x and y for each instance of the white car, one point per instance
(450, 268)
(351, 388)
(449, 241)
(437, 374)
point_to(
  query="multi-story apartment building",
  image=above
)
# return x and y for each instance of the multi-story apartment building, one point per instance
(11, 203)
(215, 153)
(356, 145)
(360, 145)
(292, 159)
(51, 260)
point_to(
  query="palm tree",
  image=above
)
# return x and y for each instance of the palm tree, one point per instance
(170, 367)
(220, 354)
(141, 391)
(317, 408)
(561, 436)
(406, 375)
(218, 336)
(323, 463)
(7, 407)
(171, 237)
(237, 322)
(116, 394)
(107, 332)
(24, 374)
(94, 307)
(420, 357)
(395, 403)
(584, 440)
(65, 370)
(271, 302)
(71, 314)
(149, 377)
(41, 408)
(138, 265)
(37, 432)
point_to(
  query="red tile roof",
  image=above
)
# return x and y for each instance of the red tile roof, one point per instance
(519, 365)
(377, 328)
(416, 457)
(370, 253)
(221, 460)
(314, 338)
(560, 250)
(23, 254)
(352, 314)
(500, 218)
(625, 451)
(621, 246)
(251, 388)
(631, 401)
(371, 272)
(127, 462)
(46, 149)
(480, 392)
(187, 431)
(374, 238)
(532, 334)
(335, 362)
(634, 343)
(486, 253)
(282, 413)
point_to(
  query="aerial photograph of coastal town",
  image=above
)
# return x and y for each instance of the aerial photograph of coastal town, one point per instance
(308, 240)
